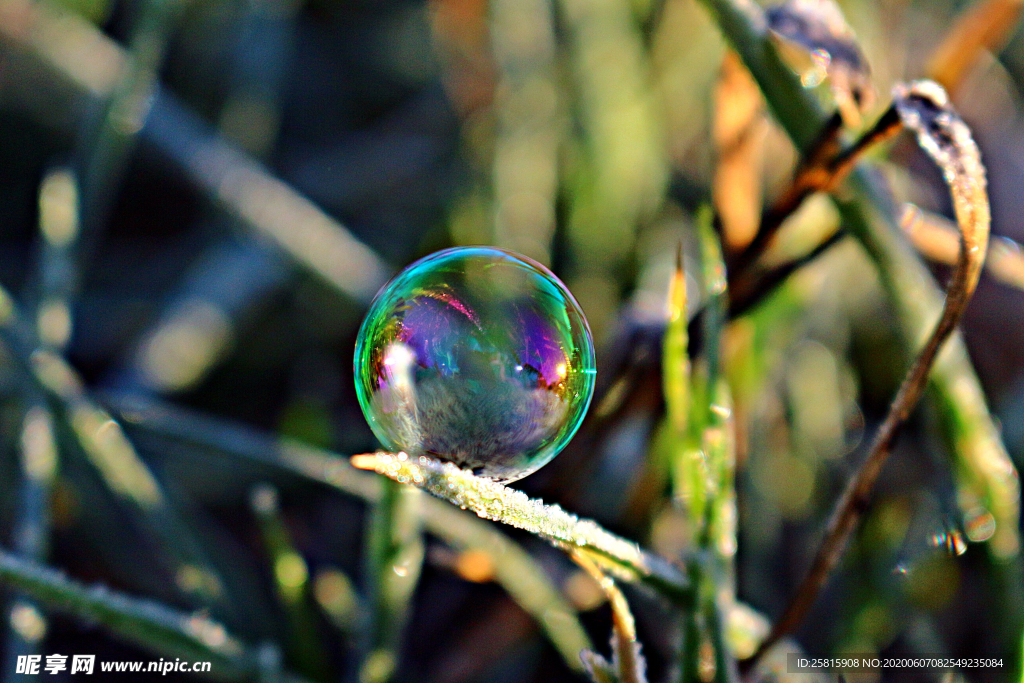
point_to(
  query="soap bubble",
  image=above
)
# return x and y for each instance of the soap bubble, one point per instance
(476, 356)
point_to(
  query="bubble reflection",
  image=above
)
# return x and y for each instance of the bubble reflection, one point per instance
(477, 356)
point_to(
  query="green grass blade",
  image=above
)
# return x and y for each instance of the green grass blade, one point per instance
(304, 647)
(108, 139)
(394, 557)
(149, 625)
(675, 362)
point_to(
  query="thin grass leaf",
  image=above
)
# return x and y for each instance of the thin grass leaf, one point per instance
(304, 648)
(108, 139)
(717, 439)
(1020, 657)
(690, 475)
(39, 468)
(263, 203)
(683, 404)
(712, 460)
(393, 559)
(149, 625)
(675, 359)
(693, 634)
(694, 484)
(39, 462)
(745, 28)
(58, 225)
(717, 573)
(726, 669)
(719, 447)
(714, 290)
(499, 503)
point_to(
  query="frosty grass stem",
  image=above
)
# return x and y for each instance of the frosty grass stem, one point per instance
(499, 503)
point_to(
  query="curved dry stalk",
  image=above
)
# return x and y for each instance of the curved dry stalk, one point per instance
(499, 503)
(924, 108)
(938, 240)
(985, 474)
(628, 664)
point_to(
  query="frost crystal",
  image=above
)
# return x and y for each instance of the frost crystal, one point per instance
(924, 108)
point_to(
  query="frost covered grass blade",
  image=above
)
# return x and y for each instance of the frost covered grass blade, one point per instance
(500, 503)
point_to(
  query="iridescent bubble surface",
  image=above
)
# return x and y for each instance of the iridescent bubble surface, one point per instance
(477, 356)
